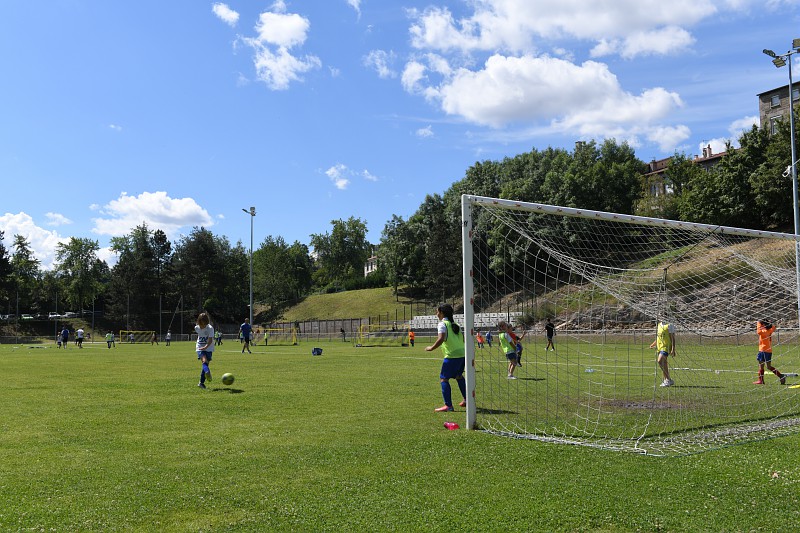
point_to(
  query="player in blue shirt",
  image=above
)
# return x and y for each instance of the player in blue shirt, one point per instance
(246, 331)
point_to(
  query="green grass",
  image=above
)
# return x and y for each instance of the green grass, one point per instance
(357, 304)
(99, 439)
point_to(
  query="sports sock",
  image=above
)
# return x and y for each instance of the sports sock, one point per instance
(447, 394)
(462, 386)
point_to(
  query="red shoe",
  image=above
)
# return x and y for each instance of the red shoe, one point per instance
(463, 403)
(443, 409)
(758, 382)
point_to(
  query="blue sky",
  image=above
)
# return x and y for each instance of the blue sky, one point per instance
(181, 113)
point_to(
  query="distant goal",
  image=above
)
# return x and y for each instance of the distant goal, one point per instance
(277, 337)
(133, 337)
(383, 334)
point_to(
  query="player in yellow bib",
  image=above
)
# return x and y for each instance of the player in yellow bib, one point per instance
(665, 343)
(451, 341)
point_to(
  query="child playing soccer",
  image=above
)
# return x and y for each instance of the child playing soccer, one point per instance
(508, 342)
(204, 347)
(765, 330)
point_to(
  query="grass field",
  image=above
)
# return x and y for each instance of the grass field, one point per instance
(99, 439)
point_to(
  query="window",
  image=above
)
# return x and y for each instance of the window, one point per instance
(773, 125)
(795, 94)
(775, 101)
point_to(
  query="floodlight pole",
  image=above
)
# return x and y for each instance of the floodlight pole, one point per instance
(252, 213)
(779, 60)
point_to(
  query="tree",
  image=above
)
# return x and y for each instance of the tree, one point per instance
(78, 264)
(394, 252)
(26, 274)
(6, 271)
(212, 275)
(281, 272)
(342, 253)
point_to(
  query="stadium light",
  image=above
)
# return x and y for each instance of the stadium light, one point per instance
(252, 213)
(780, 60)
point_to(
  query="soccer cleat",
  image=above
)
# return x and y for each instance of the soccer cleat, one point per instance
(463, 403)
(443, 409)
(201, 385)
(759, 381)
(667, 383)
(783, 379)
(512, 377)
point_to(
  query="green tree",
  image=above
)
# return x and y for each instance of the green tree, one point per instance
(80, 269)
(394, 252)
(341, 254)
(281, 273)
(6, 271)
(26, 275)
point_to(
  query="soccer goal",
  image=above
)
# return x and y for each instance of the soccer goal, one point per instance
(383, 334)
(135, 336)
(606, 281)
(278, 337)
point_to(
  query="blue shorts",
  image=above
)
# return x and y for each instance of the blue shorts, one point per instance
(511, 356)
(764, 357)
(452, 368)
(662, 352)
(200, 355)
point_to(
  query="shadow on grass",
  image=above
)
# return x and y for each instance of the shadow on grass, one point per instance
(484, 411)
(531, 379)
(228, 390)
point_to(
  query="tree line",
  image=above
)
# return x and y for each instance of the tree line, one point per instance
(155, 278)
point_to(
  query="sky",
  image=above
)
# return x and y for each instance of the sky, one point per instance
(183, 113)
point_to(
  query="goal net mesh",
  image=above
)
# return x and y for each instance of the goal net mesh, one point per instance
(382, 335)
(276, 337)
(135, 336)
(606, 281)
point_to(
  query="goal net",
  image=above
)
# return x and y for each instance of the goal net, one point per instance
(607, 280)
(277, 337)
(135, 336)
(382, 335)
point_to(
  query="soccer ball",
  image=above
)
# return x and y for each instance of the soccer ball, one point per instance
(227, 379)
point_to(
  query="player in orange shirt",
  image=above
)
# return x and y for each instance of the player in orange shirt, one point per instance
(765, 330)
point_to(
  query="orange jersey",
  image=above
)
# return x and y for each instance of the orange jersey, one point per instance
(764, 338)
(411, 335)
(479, 337)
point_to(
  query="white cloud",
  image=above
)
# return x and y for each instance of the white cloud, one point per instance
(380, 61)
(283, 30)
(277, 34)
(739, 126)
(356, 5)
(42, 242)
(115, 127)
(629, 27)
(156, 209)
(523, 89)
(367, 176)
(57, 219)
(225, 13)
(336, 174)
(736, 129)
(413, 76)
(425, 132)
(279, 68)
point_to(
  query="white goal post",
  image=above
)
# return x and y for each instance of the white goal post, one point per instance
(607, 280)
